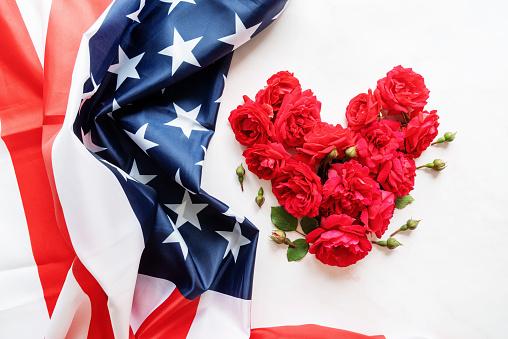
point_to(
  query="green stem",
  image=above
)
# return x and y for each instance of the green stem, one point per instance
(429, 165)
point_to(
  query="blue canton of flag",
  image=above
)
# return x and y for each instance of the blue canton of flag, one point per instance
(157, 72)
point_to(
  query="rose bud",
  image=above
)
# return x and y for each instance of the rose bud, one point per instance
(240, 172)
(260, 200)
(449, 136)
(332, 155)
(351, 152)
(436, 165)
(439, 165)
(412, 224)
(392, 243)
(278, 236)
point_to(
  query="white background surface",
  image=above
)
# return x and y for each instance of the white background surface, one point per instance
(450, 278)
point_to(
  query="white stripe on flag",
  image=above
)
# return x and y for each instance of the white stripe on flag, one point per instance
(21, 296)
(35, 15)
(104, 230)
(73, 311)
(221, 316)
(149, 294)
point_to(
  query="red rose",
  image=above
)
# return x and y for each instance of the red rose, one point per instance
(338, 242)
(378, 214)
(378, 143)
(298, 114)
(348, 190)
(251, 122)
(363, 109)
(322, 140)
(398, 174)
(298, 189)
(265, 160)
(402, 90)
(279, 85)
(419, 132)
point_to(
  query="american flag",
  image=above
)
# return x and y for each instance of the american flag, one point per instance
(105, 144)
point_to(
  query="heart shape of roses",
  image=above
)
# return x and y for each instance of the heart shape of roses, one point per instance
(347, 178)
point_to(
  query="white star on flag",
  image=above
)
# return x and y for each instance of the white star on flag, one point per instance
(242, 34)
(134, 15)
(142, 178)
(177, 237)
(139, 138)
(181, 51)
(235, 241)
(176, 2)
(88, 143)
(125, 68)
(186, 121)
(187, 211)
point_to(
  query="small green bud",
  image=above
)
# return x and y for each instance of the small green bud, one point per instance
(240, 171)
(260, 200)
(409, 225)
(449, 136)
(439, 165)
(261, 192)
(278, 236)
(436, 165)
(351, 152)
(392, 243)
(380, 242)
(332, 155)
(412, 224)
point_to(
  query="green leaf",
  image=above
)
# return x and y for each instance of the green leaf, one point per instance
(308, 224)
(283, 220)
(298, 252)
(402, 202)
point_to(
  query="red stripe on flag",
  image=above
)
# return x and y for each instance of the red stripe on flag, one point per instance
(68, 21)
(21, 114)
(100, 322)
(172, 319)
(306, 332)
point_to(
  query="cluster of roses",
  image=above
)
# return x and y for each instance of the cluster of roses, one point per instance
(348, 178)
